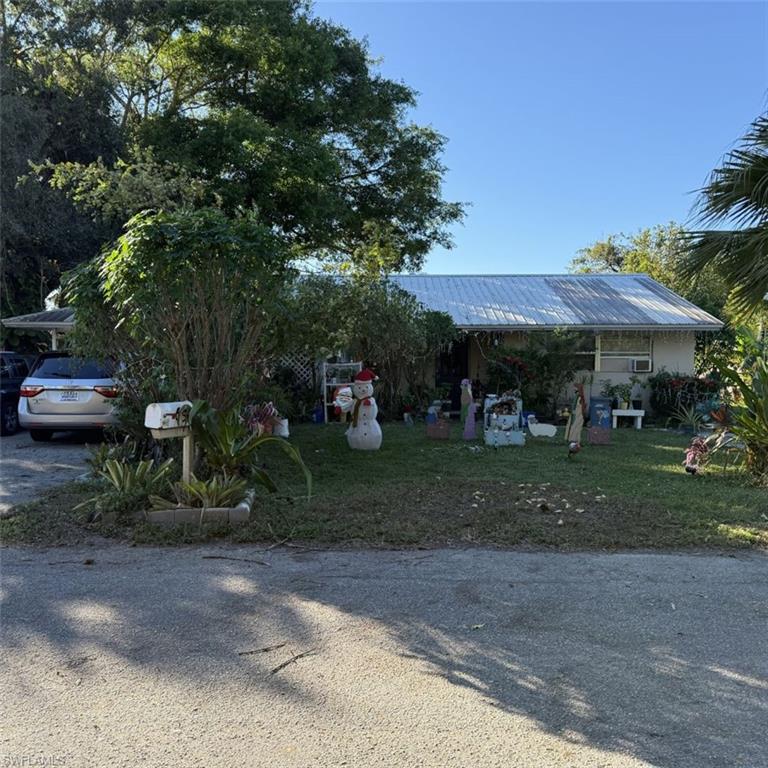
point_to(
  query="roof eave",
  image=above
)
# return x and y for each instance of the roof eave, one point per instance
(21, 325)
(595, 328)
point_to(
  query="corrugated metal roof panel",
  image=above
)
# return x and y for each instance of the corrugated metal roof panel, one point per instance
(50, 319)
(552, 301)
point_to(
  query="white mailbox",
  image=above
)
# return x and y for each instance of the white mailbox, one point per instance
(172, 420)
(168, 419)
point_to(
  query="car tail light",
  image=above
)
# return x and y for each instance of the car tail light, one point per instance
(107, 391)
(30, 391)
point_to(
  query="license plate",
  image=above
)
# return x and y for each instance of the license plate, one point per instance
(68, 397)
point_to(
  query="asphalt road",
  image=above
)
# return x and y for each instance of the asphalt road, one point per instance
(27, 468)
(241, 657)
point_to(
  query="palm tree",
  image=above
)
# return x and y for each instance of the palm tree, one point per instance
(733, 213)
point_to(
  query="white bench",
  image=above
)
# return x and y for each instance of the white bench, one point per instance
(631, 412)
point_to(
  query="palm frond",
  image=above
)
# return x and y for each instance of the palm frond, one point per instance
(732, 213)
(739, 256)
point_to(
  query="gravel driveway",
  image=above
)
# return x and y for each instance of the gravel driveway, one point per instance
(28, 468)
(233, 656)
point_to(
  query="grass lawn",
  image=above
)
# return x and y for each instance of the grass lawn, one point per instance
(419, 492)
(415, 491)
(632, 493)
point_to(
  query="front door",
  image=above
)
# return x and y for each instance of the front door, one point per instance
(452, 367)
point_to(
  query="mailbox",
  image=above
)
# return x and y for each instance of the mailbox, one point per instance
(168, 419)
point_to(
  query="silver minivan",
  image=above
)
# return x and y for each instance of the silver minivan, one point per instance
(63, 393)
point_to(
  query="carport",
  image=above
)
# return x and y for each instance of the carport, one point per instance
(55, 321)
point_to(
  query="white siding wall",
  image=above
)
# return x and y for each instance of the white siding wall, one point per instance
(673, 350)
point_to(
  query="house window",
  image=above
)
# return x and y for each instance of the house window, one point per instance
(618, 350)
(585, 352)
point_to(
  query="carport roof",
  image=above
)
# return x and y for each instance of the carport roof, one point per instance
(48, 320)
(530, 302)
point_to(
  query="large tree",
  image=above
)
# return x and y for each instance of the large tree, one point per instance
(733, 214)
(260, 105)
(41, 232)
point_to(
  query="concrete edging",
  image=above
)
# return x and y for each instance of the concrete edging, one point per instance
(237, 515)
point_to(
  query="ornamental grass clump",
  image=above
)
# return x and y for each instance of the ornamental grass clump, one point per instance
(230, 448)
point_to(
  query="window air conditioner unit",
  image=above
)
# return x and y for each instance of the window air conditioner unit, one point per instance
(641, 365)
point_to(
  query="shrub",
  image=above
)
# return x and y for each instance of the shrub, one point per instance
(216, 491)
(191, 292)
(750, 413)
(131, 487)
(670, 391)
(541, 370)
(230, 448)
(507, 370)
(373, 320)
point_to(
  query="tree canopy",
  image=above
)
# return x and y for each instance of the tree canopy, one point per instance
(243, 105)
(659, 252)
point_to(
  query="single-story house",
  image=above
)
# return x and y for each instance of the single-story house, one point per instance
(631, 324)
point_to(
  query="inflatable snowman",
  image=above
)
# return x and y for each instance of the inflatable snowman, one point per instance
(364, 433)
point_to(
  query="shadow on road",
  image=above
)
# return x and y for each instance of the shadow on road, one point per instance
(660, 657)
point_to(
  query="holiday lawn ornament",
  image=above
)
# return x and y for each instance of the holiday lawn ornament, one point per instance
(695, 456)
(468, 409)
(466, 399)
(599, 429)
(576, 421)
(440, 429)
(502, 419)
(433, 411)
(343, 402)
(470, 425)
(364, 433)
(540, 430)
(573, 448)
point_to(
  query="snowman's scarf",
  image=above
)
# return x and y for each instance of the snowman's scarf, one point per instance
(355, 411)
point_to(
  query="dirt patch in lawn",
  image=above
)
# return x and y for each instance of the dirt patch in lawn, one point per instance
(492, 512)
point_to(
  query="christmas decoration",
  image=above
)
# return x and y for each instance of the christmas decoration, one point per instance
(364, 433)
(576, 421)
(468, 409)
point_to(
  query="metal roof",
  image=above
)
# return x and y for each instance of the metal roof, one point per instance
(599, 301)
(49, 320)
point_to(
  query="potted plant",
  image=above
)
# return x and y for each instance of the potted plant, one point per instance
(624, 395)
(637, 388)
(609, 391)
(265, 419)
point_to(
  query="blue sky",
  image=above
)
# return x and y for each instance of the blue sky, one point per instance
(569, 121)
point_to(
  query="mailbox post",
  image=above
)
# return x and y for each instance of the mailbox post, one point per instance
(166, 420)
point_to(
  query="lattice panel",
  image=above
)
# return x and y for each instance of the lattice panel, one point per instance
(302, 365)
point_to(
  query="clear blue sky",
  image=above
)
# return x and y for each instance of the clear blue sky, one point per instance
(569, 121)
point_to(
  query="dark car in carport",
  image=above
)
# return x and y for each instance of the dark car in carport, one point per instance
(14, 368)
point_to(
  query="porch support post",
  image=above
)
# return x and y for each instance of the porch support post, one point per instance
(598, 346)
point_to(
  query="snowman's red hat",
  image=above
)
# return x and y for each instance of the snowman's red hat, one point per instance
(366, 375)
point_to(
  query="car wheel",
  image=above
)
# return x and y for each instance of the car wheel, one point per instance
(9, 420)
(41, 435)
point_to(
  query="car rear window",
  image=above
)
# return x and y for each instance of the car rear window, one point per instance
(71, 368)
